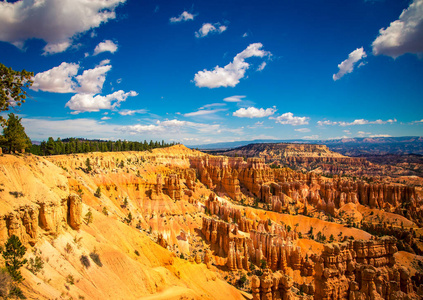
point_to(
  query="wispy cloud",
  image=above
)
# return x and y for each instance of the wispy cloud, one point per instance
(347, 66)
(356, 122)
(234, 98)
(41, 129)
(209, 28)
(202, 112)
(229, 75)
(302, 130)
(369, 134)
(129, 112)
(172, 126)
(311, 137)
(212, 105)
(183, 17)
(262, 66)
(257, 124)
(379, 135)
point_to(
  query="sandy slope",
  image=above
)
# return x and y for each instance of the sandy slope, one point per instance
(134, 266)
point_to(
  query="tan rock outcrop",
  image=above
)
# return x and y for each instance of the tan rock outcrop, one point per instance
(74, 211)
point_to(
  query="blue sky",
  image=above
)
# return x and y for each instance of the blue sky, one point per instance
(200, 72)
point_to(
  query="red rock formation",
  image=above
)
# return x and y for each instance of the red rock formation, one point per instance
(273, 186)
(271, 286)
(172, 187)
(162, 241)
(360, 270)
(208, 259)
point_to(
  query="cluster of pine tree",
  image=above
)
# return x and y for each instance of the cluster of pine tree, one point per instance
(78, 145)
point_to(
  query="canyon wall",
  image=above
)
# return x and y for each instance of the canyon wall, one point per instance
(282, 187)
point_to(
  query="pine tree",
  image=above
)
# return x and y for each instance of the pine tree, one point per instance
(13, 253)
(12, 84)
(50, 146)
(14, 136)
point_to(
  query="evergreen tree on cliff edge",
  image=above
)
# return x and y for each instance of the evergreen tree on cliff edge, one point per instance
(13, 94)
(14, 137)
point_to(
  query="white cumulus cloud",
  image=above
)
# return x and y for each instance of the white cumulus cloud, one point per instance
(63, 79)
(185, 16)
(404, 35)
(58, 23)
(252, 112)
(231, 73)
(209, 28)
(57, 80)
(91, 81)
(289, 119)
(106, 46)
(90, 103)
(347, 66)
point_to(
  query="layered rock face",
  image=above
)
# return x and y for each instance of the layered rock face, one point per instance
(307, 156)
(282, 187)
(25, 221)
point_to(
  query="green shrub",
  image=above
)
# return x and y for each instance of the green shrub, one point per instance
(35, 265)
(98, 192)
(85, 261)
(70, 279)
(96, 258)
